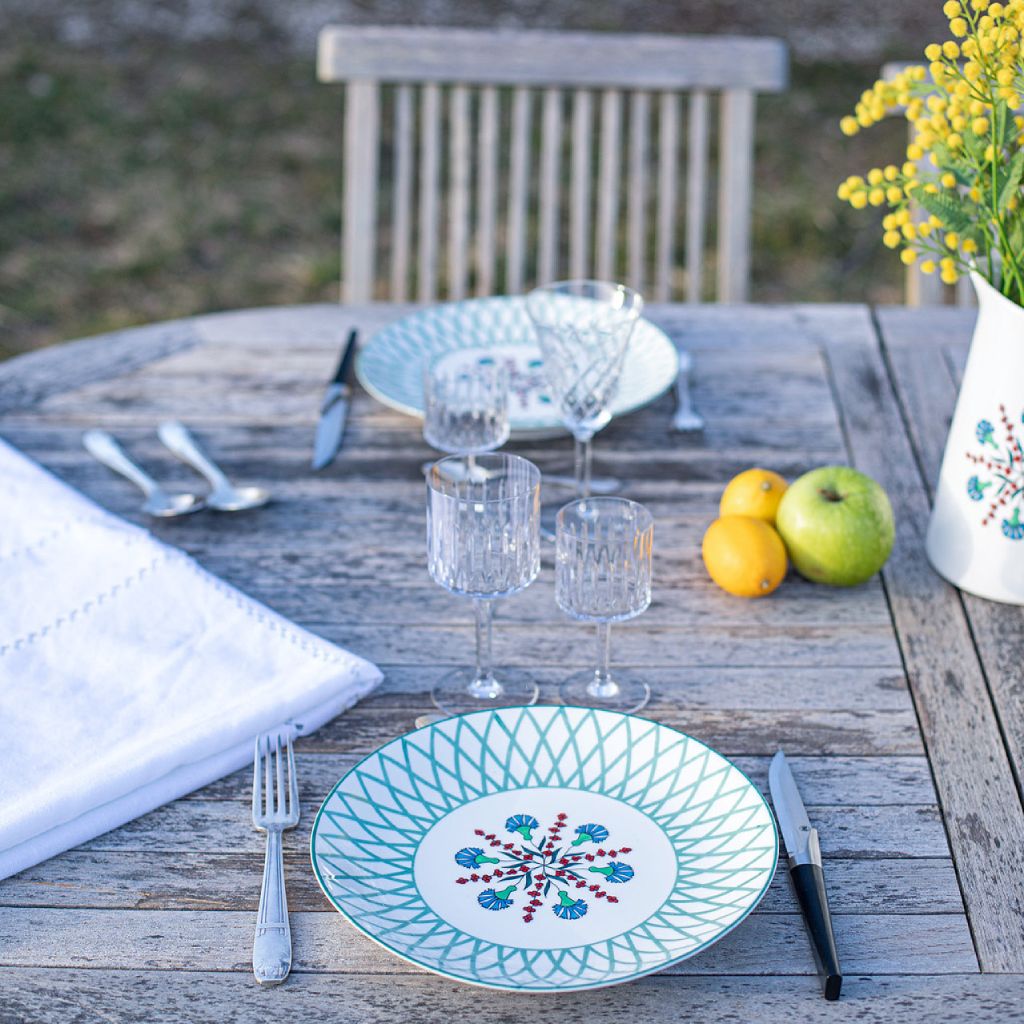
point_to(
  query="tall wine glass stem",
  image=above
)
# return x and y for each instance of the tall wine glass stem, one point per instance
(603, 685)
(484, 685)
(581, 464)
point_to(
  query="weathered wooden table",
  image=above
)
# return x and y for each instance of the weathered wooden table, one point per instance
(899, 703)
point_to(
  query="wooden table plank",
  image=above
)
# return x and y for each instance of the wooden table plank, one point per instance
(89, 997)
(979, 799)
(324, 943)
(927, 389)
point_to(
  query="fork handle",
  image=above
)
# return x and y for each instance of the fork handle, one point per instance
(272, 947)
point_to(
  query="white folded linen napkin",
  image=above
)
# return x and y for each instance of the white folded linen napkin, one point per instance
(129, 675)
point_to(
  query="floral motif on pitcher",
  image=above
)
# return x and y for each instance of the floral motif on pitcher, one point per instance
(998, 479)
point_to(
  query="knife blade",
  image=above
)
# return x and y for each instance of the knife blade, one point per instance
(330, 428)
(805, 872)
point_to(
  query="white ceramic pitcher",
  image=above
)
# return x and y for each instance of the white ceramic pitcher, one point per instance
(976, 534)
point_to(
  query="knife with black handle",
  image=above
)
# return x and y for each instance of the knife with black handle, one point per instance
(330, 428)
(805, 872)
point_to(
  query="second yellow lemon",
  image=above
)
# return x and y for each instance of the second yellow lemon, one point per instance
(755, 492)
(744, 556)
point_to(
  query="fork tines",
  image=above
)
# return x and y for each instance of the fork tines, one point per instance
(273, 802)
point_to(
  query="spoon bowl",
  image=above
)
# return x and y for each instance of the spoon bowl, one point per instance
(170, 506)
(237, 499)
(224, 496)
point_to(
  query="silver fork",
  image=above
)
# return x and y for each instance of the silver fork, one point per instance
(275, 807)
(686, 418)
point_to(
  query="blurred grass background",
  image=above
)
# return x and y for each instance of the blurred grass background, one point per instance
(152, 167)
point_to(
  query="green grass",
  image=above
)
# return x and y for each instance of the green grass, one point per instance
(178, 181)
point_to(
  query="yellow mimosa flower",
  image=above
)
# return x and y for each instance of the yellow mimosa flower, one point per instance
(948, 180)
(952, 240)
(928, 267)
(908, 256)
(891, 239)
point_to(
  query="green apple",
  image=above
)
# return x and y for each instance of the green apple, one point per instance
(837, 524)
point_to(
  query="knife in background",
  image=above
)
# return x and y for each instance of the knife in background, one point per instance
(334, 408)
(805, 872)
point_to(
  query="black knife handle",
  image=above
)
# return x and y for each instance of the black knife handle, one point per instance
(809, 884)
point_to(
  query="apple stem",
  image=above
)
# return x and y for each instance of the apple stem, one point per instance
(829, 495)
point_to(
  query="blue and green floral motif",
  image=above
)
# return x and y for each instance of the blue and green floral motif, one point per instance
(1013, 527)
(615, 872)
(524, 824)
(538, 869)
(976, 488)
(473, 857)
(489, 899)
(985, 433)
(569, 909)
(590, 834)
(999, 478)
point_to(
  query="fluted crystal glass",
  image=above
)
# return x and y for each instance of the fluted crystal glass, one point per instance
(465, 407)
(583, 329)
(603, 550)
(483, 542)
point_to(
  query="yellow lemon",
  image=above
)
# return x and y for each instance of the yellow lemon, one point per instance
(744, 555)
(755, 492)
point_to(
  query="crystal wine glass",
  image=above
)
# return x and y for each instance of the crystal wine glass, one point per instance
(465, 407)
(603, 574)
(583, 328)
(483, 542)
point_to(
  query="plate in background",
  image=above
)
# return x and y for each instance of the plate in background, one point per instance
(390, 365)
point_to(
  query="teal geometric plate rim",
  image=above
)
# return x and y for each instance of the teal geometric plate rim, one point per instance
(546, 848)
(390, 365)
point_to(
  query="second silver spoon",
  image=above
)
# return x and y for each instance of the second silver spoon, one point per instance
(224, 496)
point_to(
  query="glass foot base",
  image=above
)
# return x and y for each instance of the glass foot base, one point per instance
(629, 693)
(453, 694)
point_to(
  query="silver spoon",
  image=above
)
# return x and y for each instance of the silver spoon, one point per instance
(686, 418)
(104, 447)
(224, 495)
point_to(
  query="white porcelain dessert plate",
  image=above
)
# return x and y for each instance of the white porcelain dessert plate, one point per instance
(544, 848)
(390, 365)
